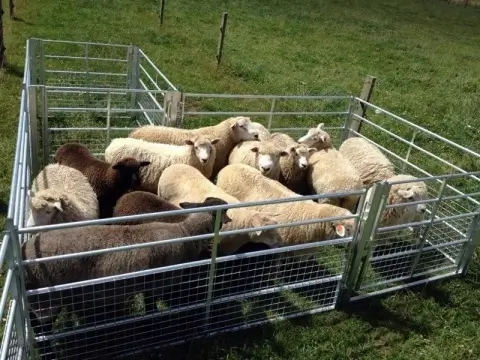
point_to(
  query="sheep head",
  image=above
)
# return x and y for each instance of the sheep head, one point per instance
(242, 130)
(301, 154)
(202, 147)
(344, 228)
(406, 193)
(128, 170)
(45, 204)
(267, 156)
(317, 138)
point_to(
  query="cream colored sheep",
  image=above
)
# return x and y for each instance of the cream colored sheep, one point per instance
(247, 184)
(317, 138)
(293, 168)
(180, 183)
(231, 131)
(197, 151)
(61, 194)
(329, 172)
(370, 162)
(263, 133)
(404, 193)
(263, 155)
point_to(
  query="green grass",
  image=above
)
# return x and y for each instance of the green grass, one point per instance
(425, 55)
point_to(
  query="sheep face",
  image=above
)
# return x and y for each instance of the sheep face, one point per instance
(317, 138)
(44, 206)
(242, 130)
(202, 148)
(267, 157)
(129, 171)
(411, 192)
(301, 154)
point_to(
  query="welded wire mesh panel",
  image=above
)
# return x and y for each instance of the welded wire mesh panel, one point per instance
(293, 115)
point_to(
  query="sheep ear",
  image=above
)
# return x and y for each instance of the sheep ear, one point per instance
(234, 126)
(214, 141)
(57, 205)
(254, 149)
(323, 138)
(406, 194)
(189, 142)
(225, 218)
(311, 150)
(117, 166)
(144, 163)
(189, 205)
(340, 230)
(320, 126)
(283, 153)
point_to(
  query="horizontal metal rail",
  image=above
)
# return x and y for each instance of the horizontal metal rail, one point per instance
(80, 43)
(101, 110)
(83, 58)
(270, 97)
(416, 127)
(266, 113)
(83, 73)
(94, 90)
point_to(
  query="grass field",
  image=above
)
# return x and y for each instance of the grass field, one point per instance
(425, 55)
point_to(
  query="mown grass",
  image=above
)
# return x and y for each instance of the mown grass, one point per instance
(425, 56)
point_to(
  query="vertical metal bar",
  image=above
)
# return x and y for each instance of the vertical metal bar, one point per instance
(376, 209)
(33, 128)
(42, 62)
(109, 109)
(348, 119)
(223, 29)
(162, 10)
(32, 61)
(270, 116)
(45, 134)
(134, 81)
(86, 97)
(372, 211)
(8, 330)
(211, 275)
(473, 237)
(423, 238)
(407, 156)
(361, 109)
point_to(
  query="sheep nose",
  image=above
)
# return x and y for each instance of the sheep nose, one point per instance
(303, 166)
(255, 136)
(265, 168)
(204, 160)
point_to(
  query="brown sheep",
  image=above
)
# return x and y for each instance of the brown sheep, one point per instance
(109, 181)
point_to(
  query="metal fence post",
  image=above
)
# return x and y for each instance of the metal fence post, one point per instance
(360, 109)
(45, 129)
(223, 30)
(133, 76)
(213, 263)
(372, 212)
(471, 245)
(171, 104)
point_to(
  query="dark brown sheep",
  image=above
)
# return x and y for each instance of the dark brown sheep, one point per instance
(96, 237)
(109, 181)
(142, 202)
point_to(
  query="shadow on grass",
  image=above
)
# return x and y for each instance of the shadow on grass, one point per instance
(3, 208)
(14, 70)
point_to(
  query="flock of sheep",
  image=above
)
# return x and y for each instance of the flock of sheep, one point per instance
(160, 169)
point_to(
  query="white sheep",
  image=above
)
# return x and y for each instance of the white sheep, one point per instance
(293, 168)
(370, 162)
(231, 131)
(180, 183)
(263, 133)
(247, 184)
(263, 155)
(61, 194)
(403, 193)
(317, 138)
(329, 172)
(197, 151)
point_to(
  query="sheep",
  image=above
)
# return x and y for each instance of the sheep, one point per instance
(61, 194)
(403, 193)
(109, 181)
(197, 151)
(293, 167)
(181, 182)
(141, 202)
(329, 172)
(263, 133)
(97, 237)
(263, 155)
(317, 138)
(248, 184)
(370, 162)
(231, 131)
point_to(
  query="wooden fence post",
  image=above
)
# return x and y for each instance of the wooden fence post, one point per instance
(365, 95)
(3, 59)
(162, 10)
(223, 29)
(11, 5)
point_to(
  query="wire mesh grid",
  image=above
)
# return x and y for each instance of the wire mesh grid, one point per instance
(161, 306)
